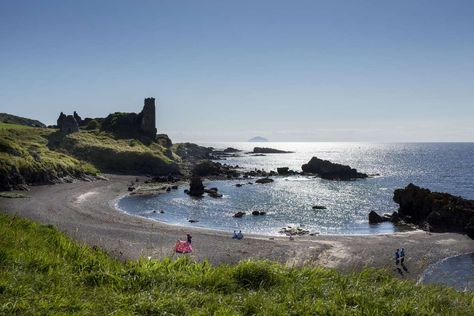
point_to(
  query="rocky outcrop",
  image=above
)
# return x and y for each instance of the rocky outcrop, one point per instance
(190, 151)
(231, 150)
(437, 212)
(196, 188)
(331, 171)
(265, 150)
(209, 168)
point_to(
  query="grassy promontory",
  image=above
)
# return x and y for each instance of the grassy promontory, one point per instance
(42, 156)
(44, 272)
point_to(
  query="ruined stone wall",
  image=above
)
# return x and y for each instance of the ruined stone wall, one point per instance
(148, 119)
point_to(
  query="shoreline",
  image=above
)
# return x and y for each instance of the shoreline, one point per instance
(86, 212)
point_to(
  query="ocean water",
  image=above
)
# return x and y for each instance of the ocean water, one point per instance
(445, 167)
(457, 272)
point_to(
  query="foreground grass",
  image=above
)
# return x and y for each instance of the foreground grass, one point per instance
(44, 272)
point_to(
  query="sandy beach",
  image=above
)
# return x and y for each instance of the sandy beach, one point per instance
(86, 212)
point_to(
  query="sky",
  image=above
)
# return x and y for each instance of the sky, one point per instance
(377, 71)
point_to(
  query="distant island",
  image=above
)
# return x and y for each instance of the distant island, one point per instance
(257, 139)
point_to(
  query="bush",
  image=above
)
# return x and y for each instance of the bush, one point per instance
(93, 124)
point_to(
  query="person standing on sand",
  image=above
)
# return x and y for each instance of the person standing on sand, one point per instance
(188, 236)
(402, 256)
(397, 256)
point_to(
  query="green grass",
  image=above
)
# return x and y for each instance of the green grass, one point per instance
(12, 126)
(26, 158)
(112, 154)
(43, 272)
(41, 155)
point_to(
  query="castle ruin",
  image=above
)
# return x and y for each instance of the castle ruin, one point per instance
(122, 124)
(67, 123)
(148, 120)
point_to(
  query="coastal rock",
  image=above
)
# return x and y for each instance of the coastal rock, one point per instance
(207, 168)
(439, 212)
(190, 151)
(256, 213)
(265, 150)
(213, 193)
(331, 171)
(231, 150)
(283, 171)
(196, 188)
(293, 230)
(375, 218)
(239, 214)
(264, 180)
(319, 207)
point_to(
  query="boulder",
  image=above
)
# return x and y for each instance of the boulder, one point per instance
(440, 212)
(375, 218)
(331, 171)
(283, 171)
(264, 180)
(239, 214)
(213, 193)
(196, 188)
(319, 207)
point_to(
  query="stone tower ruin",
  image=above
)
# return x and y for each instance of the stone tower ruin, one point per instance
(147, 123)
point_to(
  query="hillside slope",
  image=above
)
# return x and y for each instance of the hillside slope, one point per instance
(43, 156)
(44, 272)
(13, 119)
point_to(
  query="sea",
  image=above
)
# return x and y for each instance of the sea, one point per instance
(289, 200)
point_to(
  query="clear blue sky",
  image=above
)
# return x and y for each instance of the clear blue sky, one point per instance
(229, 70)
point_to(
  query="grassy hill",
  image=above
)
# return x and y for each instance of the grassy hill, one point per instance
(13, 119)
(43, 272)
(25, 158)
(40, 156)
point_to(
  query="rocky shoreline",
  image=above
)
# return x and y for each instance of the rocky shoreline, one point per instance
(86, 211)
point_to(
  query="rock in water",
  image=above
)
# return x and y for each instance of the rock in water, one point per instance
(283, 170)
(239, 214)
(441, 212)
(264, 180)
(375, 218)
(265, 150)
(331, 171)
(196, 188)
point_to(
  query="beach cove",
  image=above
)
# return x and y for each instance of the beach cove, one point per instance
(86, 212)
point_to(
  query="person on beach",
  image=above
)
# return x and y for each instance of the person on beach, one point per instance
(235, 235)
(189, 237)
(240, 235)
(402, 256)
(397, 257)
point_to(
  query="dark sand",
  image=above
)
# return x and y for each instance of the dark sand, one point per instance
(86, 212)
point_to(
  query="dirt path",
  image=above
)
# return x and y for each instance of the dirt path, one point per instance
(86, 212)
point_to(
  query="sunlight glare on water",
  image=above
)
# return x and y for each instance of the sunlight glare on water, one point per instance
(288, 201)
